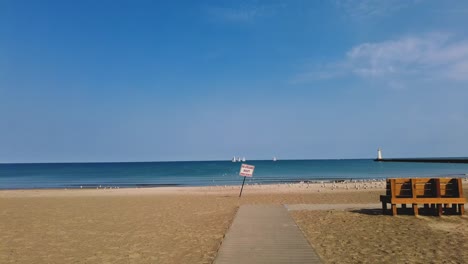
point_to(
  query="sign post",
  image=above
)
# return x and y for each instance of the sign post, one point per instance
(246, 171)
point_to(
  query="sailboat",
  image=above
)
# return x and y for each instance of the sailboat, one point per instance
(238, 159)
(243, 159)
(274, 159)
(234, 159)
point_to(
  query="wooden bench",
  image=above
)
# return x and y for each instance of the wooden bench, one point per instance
(433, 192)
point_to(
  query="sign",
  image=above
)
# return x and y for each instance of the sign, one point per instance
(247, 170)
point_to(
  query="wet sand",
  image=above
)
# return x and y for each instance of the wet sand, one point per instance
(186, 225)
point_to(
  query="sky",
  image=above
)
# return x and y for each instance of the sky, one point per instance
(85, 81)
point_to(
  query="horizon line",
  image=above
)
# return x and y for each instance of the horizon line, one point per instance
(227, 160)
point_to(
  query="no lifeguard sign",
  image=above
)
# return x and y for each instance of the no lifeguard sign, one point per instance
(247, 170)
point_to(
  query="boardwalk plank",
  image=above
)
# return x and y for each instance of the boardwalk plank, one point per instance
(265, 234)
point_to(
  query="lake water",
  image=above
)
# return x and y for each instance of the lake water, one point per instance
(209, 173)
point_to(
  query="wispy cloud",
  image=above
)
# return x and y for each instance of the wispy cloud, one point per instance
(242, 13)
(431, 56)
(371, 8)
(231, 14)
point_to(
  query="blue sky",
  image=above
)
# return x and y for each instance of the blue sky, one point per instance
(207, 80)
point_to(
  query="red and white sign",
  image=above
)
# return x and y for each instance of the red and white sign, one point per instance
(247, 170)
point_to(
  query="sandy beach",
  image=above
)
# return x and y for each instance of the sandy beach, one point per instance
(187, 224)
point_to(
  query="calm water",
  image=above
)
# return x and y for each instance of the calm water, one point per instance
(205, 173)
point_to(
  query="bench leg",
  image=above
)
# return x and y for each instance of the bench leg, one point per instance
(439, 209)
(384, 207)
(394, 211)
(461, 208)
(433, 209)
(415, 209)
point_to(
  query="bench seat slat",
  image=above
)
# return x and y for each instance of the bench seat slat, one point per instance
(433, 200)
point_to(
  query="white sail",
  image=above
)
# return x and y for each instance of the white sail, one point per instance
(243, 159)
(274, 159)
(238, 159)
(234, 159)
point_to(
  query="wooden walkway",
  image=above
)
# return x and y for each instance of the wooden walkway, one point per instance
(265, 234)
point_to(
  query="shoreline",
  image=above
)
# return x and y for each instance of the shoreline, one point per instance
(318, 187)
(337, 181)
(279, 188)
(257, 181)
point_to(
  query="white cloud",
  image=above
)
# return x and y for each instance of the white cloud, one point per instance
(396, 56)
(431, 56)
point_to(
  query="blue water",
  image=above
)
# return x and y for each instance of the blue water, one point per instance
(206, 173)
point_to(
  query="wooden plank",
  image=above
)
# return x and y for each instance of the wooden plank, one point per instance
(461, 207)
(460, 187)
(425, 200)
(392, 188)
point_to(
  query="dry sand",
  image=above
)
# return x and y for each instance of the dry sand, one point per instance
(366, 236)
(186, 225)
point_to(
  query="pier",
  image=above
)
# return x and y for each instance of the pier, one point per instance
(422, 160)
(426, 160)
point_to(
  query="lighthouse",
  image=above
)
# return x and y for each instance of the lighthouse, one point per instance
(379, 154)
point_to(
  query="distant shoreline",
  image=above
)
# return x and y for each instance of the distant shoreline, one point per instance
(173, 161)
(417, 159)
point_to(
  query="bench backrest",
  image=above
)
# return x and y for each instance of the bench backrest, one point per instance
(424, 187)
(399, 187)
(451, 187)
